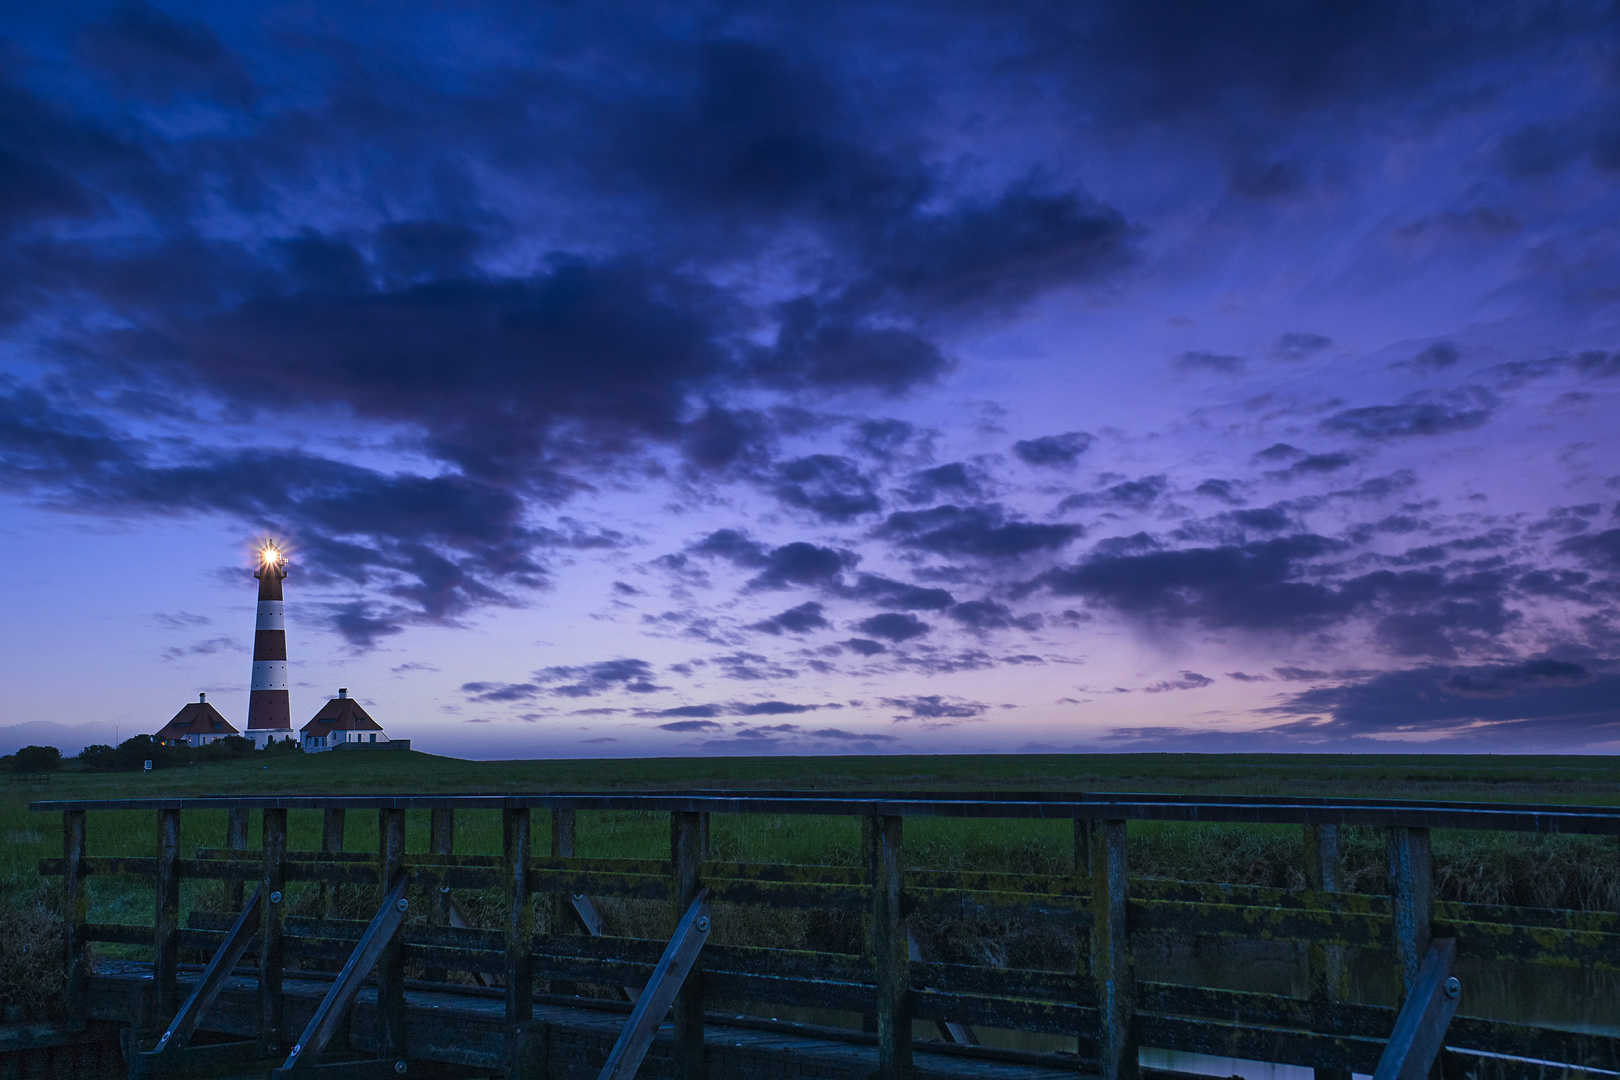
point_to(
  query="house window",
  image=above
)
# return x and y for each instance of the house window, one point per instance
(374, 738)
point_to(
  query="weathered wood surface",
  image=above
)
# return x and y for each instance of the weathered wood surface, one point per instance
(1095, 1003)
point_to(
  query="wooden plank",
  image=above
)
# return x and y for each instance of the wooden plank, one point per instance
(391, 959)
(236, 840)
(332, 829)
(889, 950)
(515, 850)
(686, 843)
(1047, 806)
(441, 842)
(1113, 977)
(663, 989)
(1326, 966)
(271, 954)
(334, 1007)
(1420, 1030)
(75, 906)
(1411, 885)
(166, 916)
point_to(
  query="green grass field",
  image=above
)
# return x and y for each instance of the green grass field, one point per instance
(1554, 871)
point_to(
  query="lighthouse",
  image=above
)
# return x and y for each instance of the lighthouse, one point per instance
(269, 712)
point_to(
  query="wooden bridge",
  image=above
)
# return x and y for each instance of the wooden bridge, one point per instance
(416, 991)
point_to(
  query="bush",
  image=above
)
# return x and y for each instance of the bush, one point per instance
(36, 759)
(131, 755)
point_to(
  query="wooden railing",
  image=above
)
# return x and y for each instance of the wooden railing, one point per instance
(1090, 994)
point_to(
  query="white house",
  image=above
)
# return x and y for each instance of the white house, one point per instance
(341, 721)
(196, 724)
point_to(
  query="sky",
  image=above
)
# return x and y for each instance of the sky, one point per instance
(716, 378)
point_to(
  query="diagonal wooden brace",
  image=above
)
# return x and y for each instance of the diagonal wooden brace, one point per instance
(329, 1014)
(949, 1030)
(659, 993)
(1420, 1029)
(590, 920)
(168, 1054)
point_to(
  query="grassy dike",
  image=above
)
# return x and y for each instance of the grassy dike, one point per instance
(1577, 872)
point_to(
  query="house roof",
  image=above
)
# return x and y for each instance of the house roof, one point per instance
(340, 714)
(195, 718)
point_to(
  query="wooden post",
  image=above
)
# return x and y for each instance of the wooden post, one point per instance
(869, 860)
(441, 841)
(1324, 872)
(166, 921)
(1083, 878)
(686, 832)
(561, 914)
(1411, 883)
(236, 838)
(75, 903)
(519, 916)
(891, 950)
(391, 964)
(272, 951)
(332, 825)
(1112, 970)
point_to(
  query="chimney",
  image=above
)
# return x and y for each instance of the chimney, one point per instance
(202, 698)
(343, 691)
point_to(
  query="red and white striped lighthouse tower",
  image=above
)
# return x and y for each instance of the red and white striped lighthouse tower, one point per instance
(269, 712)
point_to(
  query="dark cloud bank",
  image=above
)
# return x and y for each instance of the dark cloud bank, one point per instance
(189, 300)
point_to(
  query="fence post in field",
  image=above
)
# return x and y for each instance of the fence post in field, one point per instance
(391, 965)
(272, 950)
(686, 858)
(166, 921)
(515, 850)
(332, 822)
(75, 904)
(891, 950)
(1411, 883)
(236, 838)
(441, 841)
(561, 912)
(1112, 971)
(1084, 880)
(1324, 872)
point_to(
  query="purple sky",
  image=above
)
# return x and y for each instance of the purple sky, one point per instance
(716, 378)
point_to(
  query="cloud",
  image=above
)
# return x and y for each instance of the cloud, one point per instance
(863, 646)
(201, 648)
(829, 486)
(893, 626)
(1436, 357)
(1599, 550)
(798, 563)
(1054, 451)
(802, 619)
(690, 725)
(979, 532)
(1220, 363)
(955, 479)
(1463, 411)
(1136, 495)
(588, 680)
(1533, 703)
(1271, 585)
(936, 708)
(1189, 680)
(1299, 346)
(886, 592)
(983, 615)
